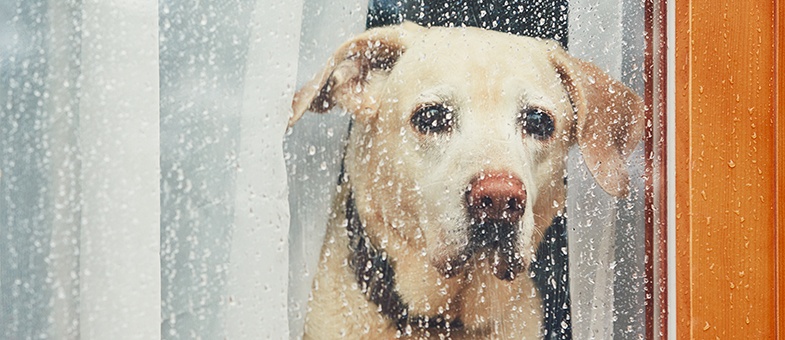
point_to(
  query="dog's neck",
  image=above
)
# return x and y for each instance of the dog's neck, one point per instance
(375, 276)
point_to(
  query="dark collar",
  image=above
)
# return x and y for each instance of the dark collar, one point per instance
(375, 275)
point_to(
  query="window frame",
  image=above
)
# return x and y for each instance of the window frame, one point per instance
(715, 255)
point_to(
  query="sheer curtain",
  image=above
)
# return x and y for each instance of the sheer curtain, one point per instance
(315, 147)
(79, 181)
(227, 74)
(142, 180)
(606, 235)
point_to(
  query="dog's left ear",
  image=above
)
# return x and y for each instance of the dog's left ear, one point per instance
(344, 81)
(609, 121)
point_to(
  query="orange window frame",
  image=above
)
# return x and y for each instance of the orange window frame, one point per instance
(730, 173)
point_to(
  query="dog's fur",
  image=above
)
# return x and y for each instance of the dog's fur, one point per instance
(409, 188)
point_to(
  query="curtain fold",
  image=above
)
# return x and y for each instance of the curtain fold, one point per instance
(203, 53)
(313, 149)
(25, 202)
(605, 234)
(258, 277)
(79, 217)
(64, 177)
(119, 264)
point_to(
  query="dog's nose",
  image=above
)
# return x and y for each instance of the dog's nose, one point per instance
(497, 197)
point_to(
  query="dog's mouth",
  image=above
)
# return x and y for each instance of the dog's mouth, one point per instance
(493, 242)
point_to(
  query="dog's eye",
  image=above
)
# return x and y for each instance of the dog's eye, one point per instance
(433, 118)
(537, 123)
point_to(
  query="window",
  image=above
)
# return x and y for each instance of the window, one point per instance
(607, 291)
(149, 183)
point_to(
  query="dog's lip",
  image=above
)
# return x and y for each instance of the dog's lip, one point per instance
(505, 260)
(506, 267)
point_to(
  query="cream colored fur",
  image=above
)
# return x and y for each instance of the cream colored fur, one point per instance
(410, 187)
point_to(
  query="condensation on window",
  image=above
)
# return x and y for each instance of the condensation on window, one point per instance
(150, 185)
(602, 293)
(142, 179)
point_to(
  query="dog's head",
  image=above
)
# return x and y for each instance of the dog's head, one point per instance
(461, 135)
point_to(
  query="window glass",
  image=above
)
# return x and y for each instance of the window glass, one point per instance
(27, 208)
(202, 54)
(591, 269)
(238, 170)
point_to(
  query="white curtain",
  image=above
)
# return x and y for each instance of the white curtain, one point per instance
(142, 180)
(79, 170)
(314, 147)
(606, 235)
(119, 264)
(257, 290)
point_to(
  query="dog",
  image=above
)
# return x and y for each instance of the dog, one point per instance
(453, 169)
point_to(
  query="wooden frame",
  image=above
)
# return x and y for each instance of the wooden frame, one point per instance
(655, 215)
(779, 26)
(729, 175)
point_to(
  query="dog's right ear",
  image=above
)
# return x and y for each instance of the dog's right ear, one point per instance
(609, 119)
(348, 72)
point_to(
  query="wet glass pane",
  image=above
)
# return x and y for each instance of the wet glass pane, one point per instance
(415, 117)
(79, 170)
(27, 206)
(310, 169)
(202, 52)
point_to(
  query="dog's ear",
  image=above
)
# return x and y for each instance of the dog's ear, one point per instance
(348, 72)
(609, 122)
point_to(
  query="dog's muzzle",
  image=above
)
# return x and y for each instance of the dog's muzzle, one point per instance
(495, 203)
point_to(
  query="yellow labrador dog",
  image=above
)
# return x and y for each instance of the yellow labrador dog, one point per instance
(454, 167)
